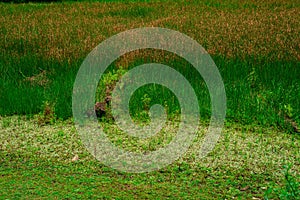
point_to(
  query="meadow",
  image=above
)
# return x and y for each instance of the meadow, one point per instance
(255, 46)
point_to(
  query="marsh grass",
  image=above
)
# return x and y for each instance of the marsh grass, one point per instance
(254, 45)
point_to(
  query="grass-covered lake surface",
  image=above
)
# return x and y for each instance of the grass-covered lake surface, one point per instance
(255, 46)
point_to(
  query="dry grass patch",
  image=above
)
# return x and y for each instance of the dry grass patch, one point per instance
(71, 30)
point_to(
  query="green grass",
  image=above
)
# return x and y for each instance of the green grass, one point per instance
(36, 162)
(260, 75)
(255, 46)
(258, 92)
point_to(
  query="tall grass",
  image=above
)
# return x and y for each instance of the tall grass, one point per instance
(30, 82)
(254, 47)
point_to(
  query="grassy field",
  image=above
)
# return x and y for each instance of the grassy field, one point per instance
(255, 46)
(36, 163)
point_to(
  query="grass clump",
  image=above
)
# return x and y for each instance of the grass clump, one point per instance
(290, 189)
